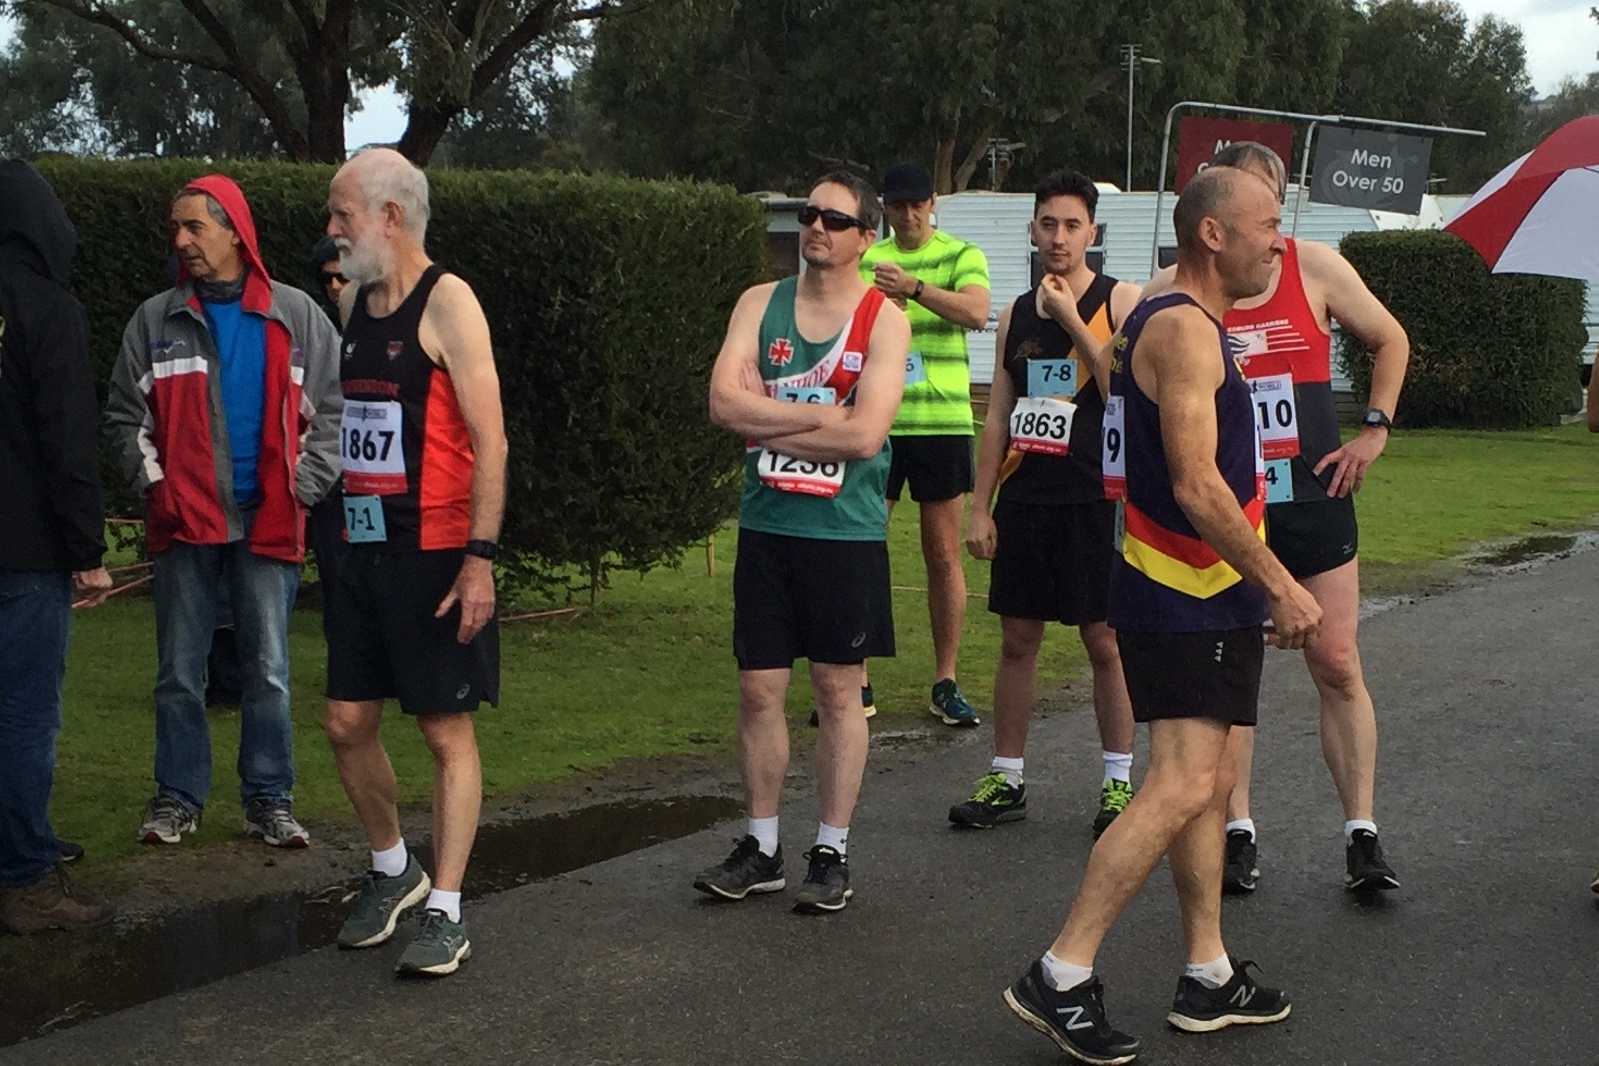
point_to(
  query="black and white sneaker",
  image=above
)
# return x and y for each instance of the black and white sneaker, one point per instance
(1368, 870)
(1242, 870)
(826, 887)
(994, 801)
(746, 870)
(1241, 1001)
(1074, 1019)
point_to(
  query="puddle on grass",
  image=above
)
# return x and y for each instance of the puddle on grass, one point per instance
(51, 981)
(1536, 549)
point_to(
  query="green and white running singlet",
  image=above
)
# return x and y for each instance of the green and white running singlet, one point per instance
(938, 379)
(791, 497)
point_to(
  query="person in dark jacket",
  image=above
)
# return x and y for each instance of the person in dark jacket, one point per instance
(51, 541)
(326, 527)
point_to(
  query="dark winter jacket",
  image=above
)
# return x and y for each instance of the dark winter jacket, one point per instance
(50, 507)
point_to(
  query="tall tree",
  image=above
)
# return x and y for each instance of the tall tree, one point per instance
(446, 55)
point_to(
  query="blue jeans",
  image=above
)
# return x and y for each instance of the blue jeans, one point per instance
(188, 578)
(35, 607)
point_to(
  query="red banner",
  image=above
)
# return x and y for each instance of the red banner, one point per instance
(1200, 138)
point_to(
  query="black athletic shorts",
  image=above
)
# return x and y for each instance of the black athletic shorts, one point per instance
(1212, 674)
(1052, 561)
(938, 468)
(384, 643)
(1314, 537)
(802, 598)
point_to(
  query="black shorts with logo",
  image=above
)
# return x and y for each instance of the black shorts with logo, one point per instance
(1210, 674)
(938, 468)
(384, 643)
(1052, 561)
(802, 598)
(1313, 537)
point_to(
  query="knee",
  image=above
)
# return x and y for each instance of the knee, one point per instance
(1019, 648)
(348, 727)
(1186, 791)
(448, 736)
(1335, 665)
(1100, 643)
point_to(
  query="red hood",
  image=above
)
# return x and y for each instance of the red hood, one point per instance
(258, 284)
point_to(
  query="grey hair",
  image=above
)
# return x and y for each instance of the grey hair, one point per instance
(389, 178)
(214, 209)
(1244, 154)
(1210, 191)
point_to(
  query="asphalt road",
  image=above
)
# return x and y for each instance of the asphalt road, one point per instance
(1488, 954)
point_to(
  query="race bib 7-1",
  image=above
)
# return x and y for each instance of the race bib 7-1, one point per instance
(372, 447)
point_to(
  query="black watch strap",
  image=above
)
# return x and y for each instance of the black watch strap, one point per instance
(1377, 418)
(483, 549)
(917, 293)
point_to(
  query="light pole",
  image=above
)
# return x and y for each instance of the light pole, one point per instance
(1131, 58)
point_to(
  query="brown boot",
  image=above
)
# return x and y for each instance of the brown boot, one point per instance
(52, 902)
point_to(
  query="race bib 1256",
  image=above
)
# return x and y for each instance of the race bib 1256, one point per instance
(808, 477)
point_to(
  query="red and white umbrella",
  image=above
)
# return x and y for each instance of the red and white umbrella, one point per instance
(1540, 215)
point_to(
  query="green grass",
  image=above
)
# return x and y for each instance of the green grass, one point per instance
(650, 671)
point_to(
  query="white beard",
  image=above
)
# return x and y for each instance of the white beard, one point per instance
(365, 262)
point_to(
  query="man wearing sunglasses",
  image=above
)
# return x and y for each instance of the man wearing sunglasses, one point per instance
(811, 578)
(942, 282)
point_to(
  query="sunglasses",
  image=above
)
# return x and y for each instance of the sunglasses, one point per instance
(832, 221)
(329, 279)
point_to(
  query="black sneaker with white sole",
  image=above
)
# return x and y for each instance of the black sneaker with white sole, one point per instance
(1074, 1019)
(746, 870)
(1241, 870)
(826, 886)
(1368, 870)
(1199, 1008)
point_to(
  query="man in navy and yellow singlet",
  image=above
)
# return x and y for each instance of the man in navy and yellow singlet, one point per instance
(811, 578)
(1191, 586)
(1049, 535)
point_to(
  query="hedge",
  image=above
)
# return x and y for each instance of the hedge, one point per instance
(607, 299)
(1491, 351)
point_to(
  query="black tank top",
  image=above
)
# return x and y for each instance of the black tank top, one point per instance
(403, 438)
(1032, 477)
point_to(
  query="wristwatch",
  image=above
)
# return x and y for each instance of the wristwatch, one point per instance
(483, 549)
(1376, 418)
(916, 293)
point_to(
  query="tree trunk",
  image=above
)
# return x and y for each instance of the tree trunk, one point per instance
(968, 167)
(425, 127)
(943, 166)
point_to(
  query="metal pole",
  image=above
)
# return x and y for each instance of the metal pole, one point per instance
(1304, 170)
(1132, 61)
(1160, 192)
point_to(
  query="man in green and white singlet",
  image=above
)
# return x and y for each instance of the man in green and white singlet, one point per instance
(811, 579)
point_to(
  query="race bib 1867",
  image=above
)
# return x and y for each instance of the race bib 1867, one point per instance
(372, 447)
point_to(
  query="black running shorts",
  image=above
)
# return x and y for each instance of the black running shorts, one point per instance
(384, 643)
(938, 468)
(1213, 674)
(1314, 537)
(802, 598)
(1052, 562)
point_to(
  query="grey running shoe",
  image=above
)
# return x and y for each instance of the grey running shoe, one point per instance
(438, 949)
(382, 901)
(273, 822)
(166, 820)
(826, 887)
(746, 870)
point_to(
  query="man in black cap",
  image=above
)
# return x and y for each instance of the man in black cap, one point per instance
(942, 282)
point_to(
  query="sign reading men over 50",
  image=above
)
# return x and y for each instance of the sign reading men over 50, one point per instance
(1365, 168)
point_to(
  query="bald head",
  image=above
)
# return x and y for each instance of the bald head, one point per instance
(1208, 195)
(1228, 226)
(385, 177)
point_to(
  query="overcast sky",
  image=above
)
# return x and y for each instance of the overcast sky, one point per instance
(1561, 42)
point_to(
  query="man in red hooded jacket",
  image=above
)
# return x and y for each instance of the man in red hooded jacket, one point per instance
(224, 411)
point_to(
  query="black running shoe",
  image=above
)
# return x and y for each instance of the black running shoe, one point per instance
(1241, 1001)
(1075, 1019)
(995, 800)
(826, 887)
(746, 870)
(1114, 796)
(1368, 871)
(1239, 875)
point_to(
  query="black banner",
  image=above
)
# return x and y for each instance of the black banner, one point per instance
(1365, 168)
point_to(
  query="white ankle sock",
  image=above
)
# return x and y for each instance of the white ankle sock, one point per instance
(1118, 766)
(1212, 974)
(764, 830)
(831, 836)
(448, 902)
(1246, 824)
(1064, 975)
(391, 862)
(1358, 823)
(1011, 768)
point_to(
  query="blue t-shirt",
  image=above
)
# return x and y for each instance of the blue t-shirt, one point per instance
(241, 345)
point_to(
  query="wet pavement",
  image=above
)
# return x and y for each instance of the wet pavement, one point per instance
(1488, 955)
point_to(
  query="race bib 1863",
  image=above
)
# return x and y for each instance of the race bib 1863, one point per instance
(1042, 424)
(372, 447)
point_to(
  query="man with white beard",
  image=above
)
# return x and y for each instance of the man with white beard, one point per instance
(411, 616)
